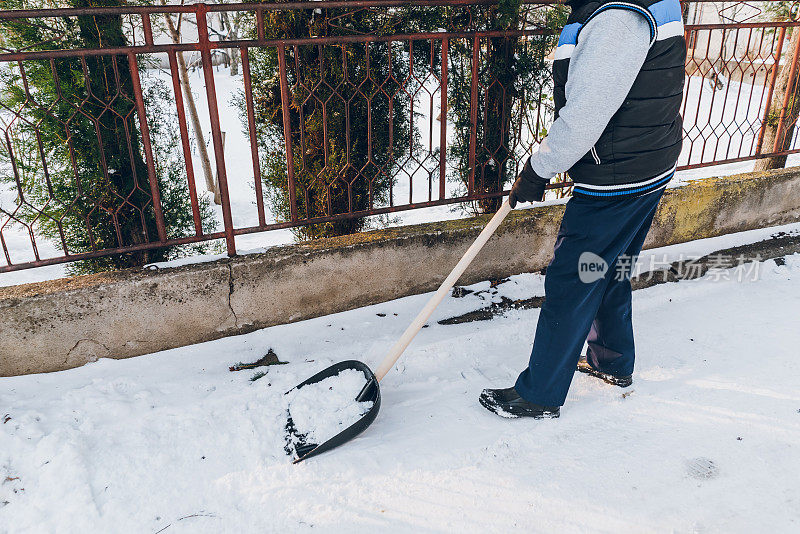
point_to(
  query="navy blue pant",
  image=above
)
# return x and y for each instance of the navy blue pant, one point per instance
(577, 308)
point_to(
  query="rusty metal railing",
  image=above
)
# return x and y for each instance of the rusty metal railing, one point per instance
(729, 95)
(339, 99)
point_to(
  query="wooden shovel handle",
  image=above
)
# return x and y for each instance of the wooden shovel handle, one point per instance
(423, 316)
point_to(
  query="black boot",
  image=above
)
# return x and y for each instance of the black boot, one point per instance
(508, 403)
(621, 381)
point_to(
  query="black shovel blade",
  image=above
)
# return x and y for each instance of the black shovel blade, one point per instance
(296, 443)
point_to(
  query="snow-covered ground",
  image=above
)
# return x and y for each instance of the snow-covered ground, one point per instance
(706, 440)
(723, 117)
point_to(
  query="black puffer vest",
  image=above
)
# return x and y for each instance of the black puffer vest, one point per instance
(638, 150)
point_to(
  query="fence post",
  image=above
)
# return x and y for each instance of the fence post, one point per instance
(773, 77)
(287, 130)
(790, 83)
(251, 125)
(443, 121)
(155, 193)
(216, 134)
(473, 136)
(187, 151)
(148, 29)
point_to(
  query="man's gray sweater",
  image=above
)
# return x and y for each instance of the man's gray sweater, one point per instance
(610, 52)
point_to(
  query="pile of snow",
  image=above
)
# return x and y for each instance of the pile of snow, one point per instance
(322, 410)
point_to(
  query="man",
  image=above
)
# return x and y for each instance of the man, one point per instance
(618, 85)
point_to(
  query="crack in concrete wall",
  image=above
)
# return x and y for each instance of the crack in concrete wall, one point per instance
(230, 294)
(85, 350)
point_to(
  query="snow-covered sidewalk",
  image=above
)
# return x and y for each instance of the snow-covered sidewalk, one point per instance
(706, 440)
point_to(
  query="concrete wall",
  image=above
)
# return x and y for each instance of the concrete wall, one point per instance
(65, 323)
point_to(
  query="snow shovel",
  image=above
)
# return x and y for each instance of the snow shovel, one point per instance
(296, 442)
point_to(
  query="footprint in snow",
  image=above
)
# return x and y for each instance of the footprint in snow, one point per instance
(702, 468)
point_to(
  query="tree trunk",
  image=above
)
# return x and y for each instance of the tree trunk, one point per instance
(232, 35)
(107, 76)
(782, 85)
(234, 64)
(211, 184)
(494, 171)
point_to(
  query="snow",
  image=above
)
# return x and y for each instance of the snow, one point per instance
(322, 410)
(200, 258)
(705, 440)
(660, 257)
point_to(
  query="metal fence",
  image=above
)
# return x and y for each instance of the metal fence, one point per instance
(350, 109)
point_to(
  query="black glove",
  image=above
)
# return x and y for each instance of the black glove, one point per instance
(529, 186)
